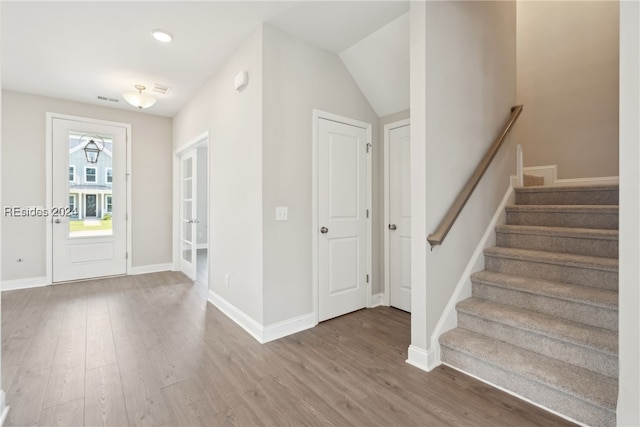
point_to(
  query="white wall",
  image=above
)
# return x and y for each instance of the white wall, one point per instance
(568, 82)
(202, 192)
(298, 78)
(629, 295)
(233, 120)
(465, 99)
(23, 180)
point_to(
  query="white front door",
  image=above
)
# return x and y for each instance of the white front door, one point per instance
(399, 225)
(188, 208)
(342, 218)
(85, 243)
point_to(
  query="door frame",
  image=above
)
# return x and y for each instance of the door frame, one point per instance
(315, 241)
(387, 206)
(49, 185)
(203, 137)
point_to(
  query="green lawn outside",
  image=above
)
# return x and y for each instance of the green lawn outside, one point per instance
(78, 225)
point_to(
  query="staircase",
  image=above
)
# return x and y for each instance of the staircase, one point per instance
(542, 321)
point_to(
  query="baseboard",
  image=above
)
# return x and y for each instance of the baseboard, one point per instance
(423, 359)
(232, 312)
(288, 327)
(262, 334)
(449, 318)
(516, 395)
(4, 409)
(31, 282)
(377, 300)
(152, 268)
(595, 180)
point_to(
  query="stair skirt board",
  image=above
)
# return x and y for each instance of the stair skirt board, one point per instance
(541, 320)
(448, 320)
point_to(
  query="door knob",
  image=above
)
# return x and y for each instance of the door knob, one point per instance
(190, 221)
(392, 227)
(324, 230)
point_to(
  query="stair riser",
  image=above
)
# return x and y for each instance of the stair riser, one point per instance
(563, 244)
(567, 198)
(607, 221)
(558, 273)
(570, 310)
(605, 364)
(577, 409)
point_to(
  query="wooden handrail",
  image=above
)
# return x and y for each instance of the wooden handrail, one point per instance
(438, 236)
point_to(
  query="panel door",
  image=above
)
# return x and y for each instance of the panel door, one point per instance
(342, 204)
(399, 219)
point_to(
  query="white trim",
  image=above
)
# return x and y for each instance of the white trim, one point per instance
(202, 246)
(421, 358)
(262, 334)
(232, 312)
(49, 184)
(3, 407)
(317, 115)
(29, 282)
(288, 327)
(387, 206)
(595, 180)
(378, 300)
(516, 395)
(151, 268)
(449, 318)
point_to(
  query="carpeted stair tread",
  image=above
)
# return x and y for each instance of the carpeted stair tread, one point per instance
(564, 291)
(584, 233)
(584, 384)
(592, 194)
(602, 340)
(569, 209)
(572, 260)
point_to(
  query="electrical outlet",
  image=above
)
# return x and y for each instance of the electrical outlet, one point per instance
(282, 213)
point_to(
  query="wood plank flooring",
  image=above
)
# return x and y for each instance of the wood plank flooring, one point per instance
(148, 350)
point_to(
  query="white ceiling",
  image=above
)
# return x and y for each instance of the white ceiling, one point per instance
(81, 50)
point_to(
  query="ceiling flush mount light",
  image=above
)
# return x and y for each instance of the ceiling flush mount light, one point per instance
(91, 148)
(139, 99)
(161, 36)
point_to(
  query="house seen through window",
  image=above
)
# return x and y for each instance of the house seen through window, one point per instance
(90, 190)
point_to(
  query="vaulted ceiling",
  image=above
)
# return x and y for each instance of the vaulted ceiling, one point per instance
(81, 51)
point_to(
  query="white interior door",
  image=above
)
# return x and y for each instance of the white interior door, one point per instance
(188, 209)
(88, 211)
(399, 226)
(342, 216)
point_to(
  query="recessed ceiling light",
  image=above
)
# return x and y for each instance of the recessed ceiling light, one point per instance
(161, 36)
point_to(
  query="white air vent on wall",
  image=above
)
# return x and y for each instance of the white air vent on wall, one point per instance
(162, 89)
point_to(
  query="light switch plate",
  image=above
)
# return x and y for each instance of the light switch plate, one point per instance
(282, 213)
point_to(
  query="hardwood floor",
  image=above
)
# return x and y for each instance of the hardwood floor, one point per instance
(148, 350)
